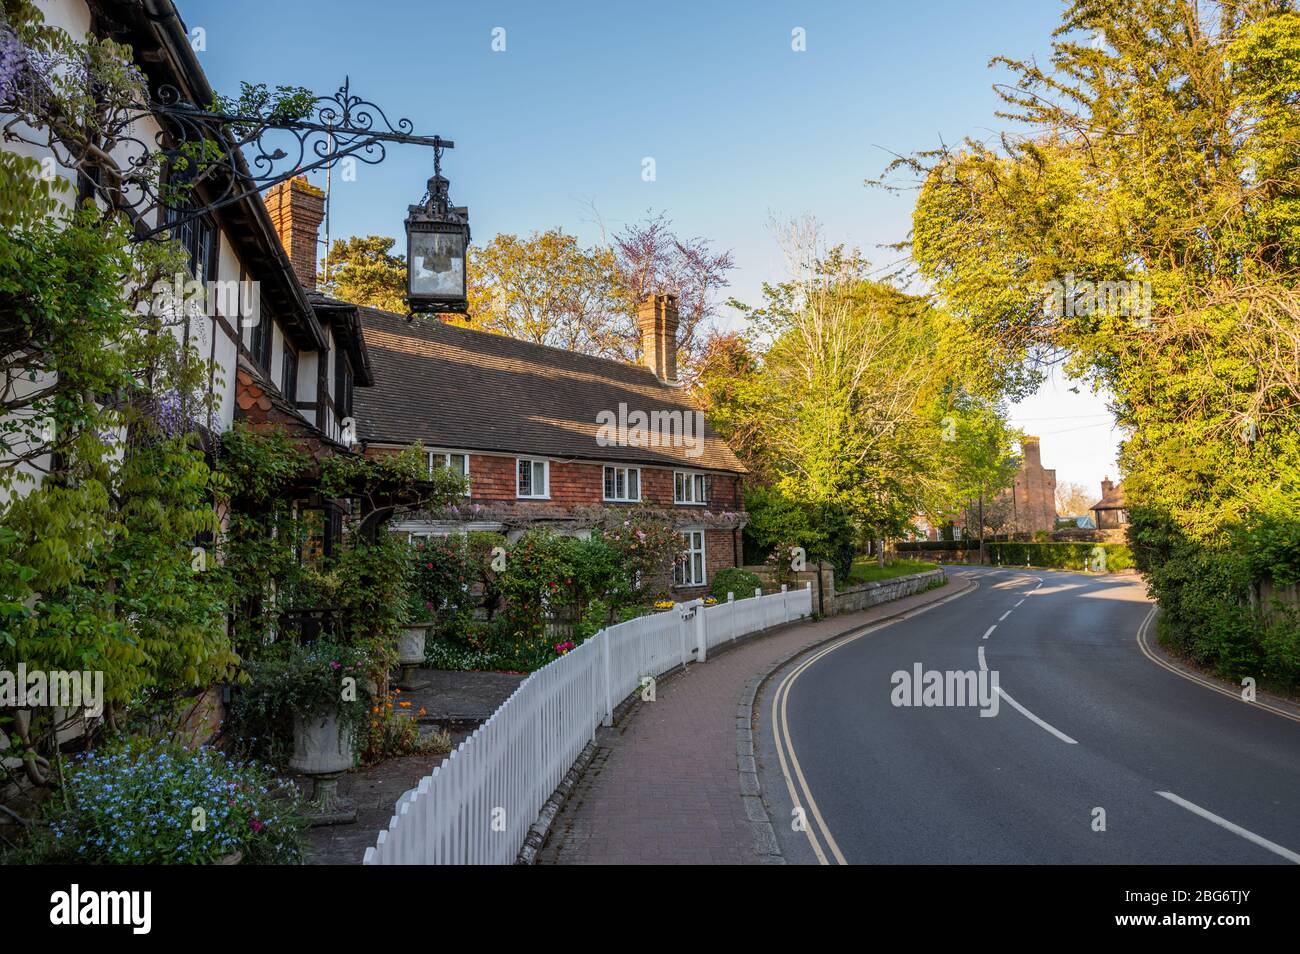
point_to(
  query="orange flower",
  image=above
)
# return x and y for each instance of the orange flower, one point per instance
(405, 705)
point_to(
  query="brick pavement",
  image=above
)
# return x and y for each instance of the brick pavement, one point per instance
(663, 786)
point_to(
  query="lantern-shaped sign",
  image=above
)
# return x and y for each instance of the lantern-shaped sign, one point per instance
(437, 240)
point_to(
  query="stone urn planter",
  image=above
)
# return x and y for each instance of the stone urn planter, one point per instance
(323, 749)
(410, 654)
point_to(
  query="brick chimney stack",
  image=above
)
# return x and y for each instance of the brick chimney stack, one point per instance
(297, 209)
(1106, 486)
(1032, 452)
(657, 318)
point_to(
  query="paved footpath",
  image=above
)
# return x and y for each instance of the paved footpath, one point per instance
(663, 785)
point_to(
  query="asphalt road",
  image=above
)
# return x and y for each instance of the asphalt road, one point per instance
(1097, 726)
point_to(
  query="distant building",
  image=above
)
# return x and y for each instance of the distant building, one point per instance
(1077, 523)
(1032, 496)
(1111, 510)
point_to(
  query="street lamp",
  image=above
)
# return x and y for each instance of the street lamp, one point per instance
(437, 239)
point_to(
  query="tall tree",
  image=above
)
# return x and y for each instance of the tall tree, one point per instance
(653, 259)
(364, 271)
(841, 405)
(1074, 500)
(1159, 161)
(550, 290)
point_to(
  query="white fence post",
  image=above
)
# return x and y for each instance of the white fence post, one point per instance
(701, 632)
(681, 632)
(516, 758)
(605, 651)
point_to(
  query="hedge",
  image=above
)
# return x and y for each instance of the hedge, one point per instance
(920, 546)
(1061, 556)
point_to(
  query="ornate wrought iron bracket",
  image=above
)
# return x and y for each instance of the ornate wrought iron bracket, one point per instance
(337, 127)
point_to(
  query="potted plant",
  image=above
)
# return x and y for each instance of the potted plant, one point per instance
(320, 690)
(421, 592)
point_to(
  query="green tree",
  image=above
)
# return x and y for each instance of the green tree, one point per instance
(1146, 225)
(547, 289)
(840, 403)
(365, 272)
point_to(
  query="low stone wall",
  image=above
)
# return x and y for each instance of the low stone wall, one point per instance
(862, 595)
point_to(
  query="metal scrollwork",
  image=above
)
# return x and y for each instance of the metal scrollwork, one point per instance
(229, 156)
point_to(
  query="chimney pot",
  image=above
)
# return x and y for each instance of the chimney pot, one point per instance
(656, 316)
(297, 209)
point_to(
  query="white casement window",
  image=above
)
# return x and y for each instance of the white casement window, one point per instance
(622, 484)
(533, 477)
(689, 487)
(457, 463)
(689, 569)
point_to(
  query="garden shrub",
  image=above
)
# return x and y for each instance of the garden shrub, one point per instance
(143, 803)
(1060, 556)
(733, 579)
(1206, 591)
(825, 531)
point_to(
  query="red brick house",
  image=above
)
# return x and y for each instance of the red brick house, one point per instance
(548, 436)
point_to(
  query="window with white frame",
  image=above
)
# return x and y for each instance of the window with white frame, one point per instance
(622, 483)
(533, 477)
(688, 487)
(689, 568)
(457, 463)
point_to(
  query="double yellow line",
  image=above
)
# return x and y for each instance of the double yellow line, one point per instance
(1198, 679)
(790, 769)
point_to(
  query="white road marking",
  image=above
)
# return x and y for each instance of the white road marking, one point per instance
(1019, 603)
(1004, 616)
(984, 667)
(991, 628)
(1199, 680)
(1250, 836)
(1034, 719)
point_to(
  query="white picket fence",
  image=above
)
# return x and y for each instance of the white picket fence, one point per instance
(478, 805)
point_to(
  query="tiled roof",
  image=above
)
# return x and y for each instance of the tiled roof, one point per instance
(1113, 500)
(451, 386)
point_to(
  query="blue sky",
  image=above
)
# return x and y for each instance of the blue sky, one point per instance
(740, 126)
